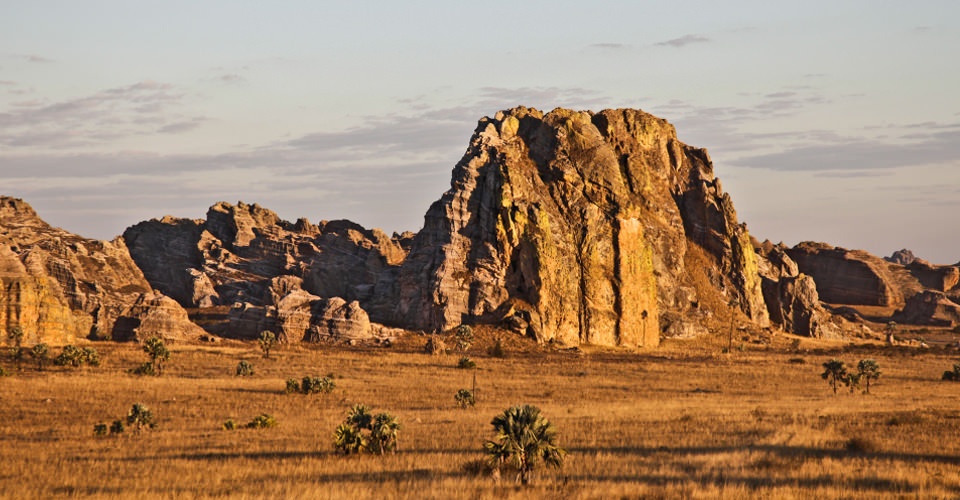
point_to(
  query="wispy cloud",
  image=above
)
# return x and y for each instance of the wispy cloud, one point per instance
(609, 46)
(36, 59)
(684, 41)
(142, 107)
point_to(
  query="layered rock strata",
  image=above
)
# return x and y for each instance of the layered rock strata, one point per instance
(578, 223)
(59, 287)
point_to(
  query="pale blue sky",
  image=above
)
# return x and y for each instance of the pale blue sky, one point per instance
(828, 121)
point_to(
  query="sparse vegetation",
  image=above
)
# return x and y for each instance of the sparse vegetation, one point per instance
(465, 398)
(262, 421)
(229, 425)
(868, 369)
(116, 427)
(362, 431)
(75, 357)
(311, 385)
(464, 337)
(140, 417)
(244, 369)
(952, 375)
(680, 422)
(100, 429)
(466, 363)
(523, 439)
(497, 350)
(40, 352)
(268, 340)
(158, 353)
(835, 373)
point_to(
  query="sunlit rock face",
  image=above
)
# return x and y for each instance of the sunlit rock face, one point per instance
(59, 287)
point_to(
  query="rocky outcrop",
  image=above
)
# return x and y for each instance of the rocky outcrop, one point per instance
(848, 276)
(296, 315)
(791, 297)
(903, 257)
(939, 278)
(232, 256)
(579, 224)
(930, 307)
(59, 287)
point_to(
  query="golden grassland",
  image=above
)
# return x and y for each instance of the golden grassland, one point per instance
(685, 420)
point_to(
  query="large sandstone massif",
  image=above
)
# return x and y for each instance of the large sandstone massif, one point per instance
(60, 288)
(570, 227)
(573, 227)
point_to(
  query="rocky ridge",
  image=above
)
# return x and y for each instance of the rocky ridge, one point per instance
(60, 288)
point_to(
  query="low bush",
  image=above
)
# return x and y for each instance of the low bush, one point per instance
(244, 369)
(465, 398)
(466, 363)
(262, 421)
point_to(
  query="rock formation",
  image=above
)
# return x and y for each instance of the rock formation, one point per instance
(903, 257)
(791, 297)
(848, 276)
(232, 256)
(580, 224)
(59, 287)
(930, 307)
(296, 315)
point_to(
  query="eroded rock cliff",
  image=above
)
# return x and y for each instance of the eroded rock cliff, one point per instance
(59, 287)
(580, 224)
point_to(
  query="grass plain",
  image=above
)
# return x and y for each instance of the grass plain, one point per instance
(684, 420)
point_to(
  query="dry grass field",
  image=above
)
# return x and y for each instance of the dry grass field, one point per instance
(685, 420)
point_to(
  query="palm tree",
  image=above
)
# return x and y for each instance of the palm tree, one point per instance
(347, 439)
(869, 370)
(359, 416)
(384, 433)
(835, 372)
(524, 438)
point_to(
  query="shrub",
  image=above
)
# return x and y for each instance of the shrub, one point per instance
(72, 356)
(362, 431)
(464, 338)
(465, 398)
(466, 363)
(3, 373)
(262, 421)
(229, 425)
(868, 369)
(316, 385)
(116, 427)
(244, 369)
(144, 369)
(293, 385)
(100, 429)
(953, 375)
(140, 416)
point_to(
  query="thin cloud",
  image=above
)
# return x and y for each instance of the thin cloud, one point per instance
(684, 41)
(609, 46)
(37, 59)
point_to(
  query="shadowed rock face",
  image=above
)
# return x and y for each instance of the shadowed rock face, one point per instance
(791, 297)
(930, 307)
(59, 287)
(848, 276)
(232, 256)
(579, 223)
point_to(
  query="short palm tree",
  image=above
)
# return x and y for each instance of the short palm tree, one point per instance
(347, 439)
(40, 353)
(868, 369)
(384, 433)
(835, 372)
(524, 438)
